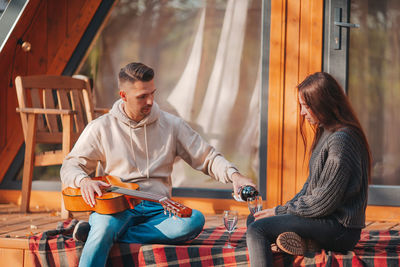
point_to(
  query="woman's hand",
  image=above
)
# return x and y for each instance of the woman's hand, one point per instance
(264, 214)
(88, 189)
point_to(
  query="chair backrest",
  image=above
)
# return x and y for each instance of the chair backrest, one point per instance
(54, 92)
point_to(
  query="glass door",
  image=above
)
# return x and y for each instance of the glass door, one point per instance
(362, 49)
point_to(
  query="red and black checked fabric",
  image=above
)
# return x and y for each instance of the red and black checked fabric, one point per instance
(376, 248)
(55, 247)
(206, 250)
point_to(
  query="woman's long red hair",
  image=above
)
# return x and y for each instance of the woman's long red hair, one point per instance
(329, 104)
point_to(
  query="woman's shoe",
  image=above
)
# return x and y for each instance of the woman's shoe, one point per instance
(294, 244)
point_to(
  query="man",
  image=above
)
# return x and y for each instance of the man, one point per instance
(138, 142)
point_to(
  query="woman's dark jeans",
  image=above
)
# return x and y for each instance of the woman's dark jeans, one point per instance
(327, 232)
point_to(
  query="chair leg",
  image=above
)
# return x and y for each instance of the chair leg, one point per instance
(28, 164)
(67, 122)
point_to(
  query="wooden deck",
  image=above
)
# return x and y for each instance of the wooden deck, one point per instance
(16, 227)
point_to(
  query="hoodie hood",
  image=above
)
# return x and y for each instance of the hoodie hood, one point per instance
(118, 112)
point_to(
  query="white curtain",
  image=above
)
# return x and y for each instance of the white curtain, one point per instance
(223, 85)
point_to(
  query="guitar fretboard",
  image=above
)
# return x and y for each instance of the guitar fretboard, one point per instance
(169, 205)
(135, 193)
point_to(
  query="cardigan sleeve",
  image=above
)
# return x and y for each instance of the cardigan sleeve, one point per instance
(282, 209)
(328, 189)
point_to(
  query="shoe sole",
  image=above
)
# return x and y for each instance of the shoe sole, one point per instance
(291, 243)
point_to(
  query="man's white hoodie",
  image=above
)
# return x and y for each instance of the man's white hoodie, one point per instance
(141, 152)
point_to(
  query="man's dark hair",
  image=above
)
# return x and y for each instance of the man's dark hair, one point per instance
(134, 71)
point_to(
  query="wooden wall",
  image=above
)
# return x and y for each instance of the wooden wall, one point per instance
(295, 52)
(54, 28)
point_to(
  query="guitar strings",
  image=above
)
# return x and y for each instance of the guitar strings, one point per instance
(140, 193)
(172, 206)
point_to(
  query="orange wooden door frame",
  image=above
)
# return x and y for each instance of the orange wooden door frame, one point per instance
(295, 51)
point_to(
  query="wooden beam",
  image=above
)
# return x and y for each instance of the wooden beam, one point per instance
(383, 213)
(310, 61)
(12, 257)
(295, 51)
(49, 158)
(290, 115)
(16, 243)
(68, 45)
(275, 102)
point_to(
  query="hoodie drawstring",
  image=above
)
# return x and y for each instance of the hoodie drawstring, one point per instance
(147, 151)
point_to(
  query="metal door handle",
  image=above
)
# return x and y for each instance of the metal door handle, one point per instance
(345, 24)
(337, 30)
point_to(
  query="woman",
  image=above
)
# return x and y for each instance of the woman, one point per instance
(329, 211)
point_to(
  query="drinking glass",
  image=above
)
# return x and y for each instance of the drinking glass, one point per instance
(254, 204)
(230, 221)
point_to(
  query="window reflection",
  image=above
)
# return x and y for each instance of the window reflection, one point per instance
(3, 6)
(206, 55)
(374, 82)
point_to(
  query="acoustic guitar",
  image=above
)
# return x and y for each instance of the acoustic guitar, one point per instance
(119, 197)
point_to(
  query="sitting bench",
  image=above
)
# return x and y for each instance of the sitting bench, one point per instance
(57, 248)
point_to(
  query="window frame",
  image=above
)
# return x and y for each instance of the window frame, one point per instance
(335, 62)
(9, 18)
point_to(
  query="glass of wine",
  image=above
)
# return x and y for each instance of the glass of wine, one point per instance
(254, 204)
(230, 221)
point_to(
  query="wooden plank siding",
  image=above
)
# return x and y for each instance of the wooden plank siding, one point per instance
(53, 28)
(295, 52)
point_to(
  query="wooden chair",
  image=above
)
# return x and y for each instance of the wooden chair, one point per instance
(97, 110)
(54, 110)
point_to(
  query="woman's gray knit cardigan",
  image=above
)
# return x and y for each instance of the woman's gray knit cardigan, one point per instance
(337, 184)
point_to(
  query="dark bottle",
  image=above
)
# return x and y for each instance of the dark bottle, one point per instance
(247, 191)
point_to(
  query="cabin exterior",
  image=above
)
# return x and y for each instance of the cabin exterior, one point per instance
(296, 38)
(354, 40)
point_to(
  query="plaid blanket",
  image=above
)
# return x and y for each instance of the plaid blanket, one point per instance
(57, 248)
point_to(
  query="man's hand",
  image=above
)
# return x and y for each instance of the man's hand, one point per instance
(238, 180)
(88, 189)
(264, 214)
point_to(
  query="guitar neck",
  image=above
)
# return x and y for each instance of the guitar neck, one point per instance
(173, 207)
(136, 194)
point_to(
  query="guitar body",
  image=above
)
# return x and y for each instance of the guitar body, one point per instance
(127, 197)
(108, 203)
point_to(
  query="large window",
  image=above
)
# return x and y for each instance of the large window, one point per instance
(374, 82)
(207, 59)
(361, 49)
(10, 12)
(3, 5)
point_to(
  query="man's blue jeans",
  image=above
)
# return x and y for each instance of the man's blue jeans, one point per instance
(146, 224)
